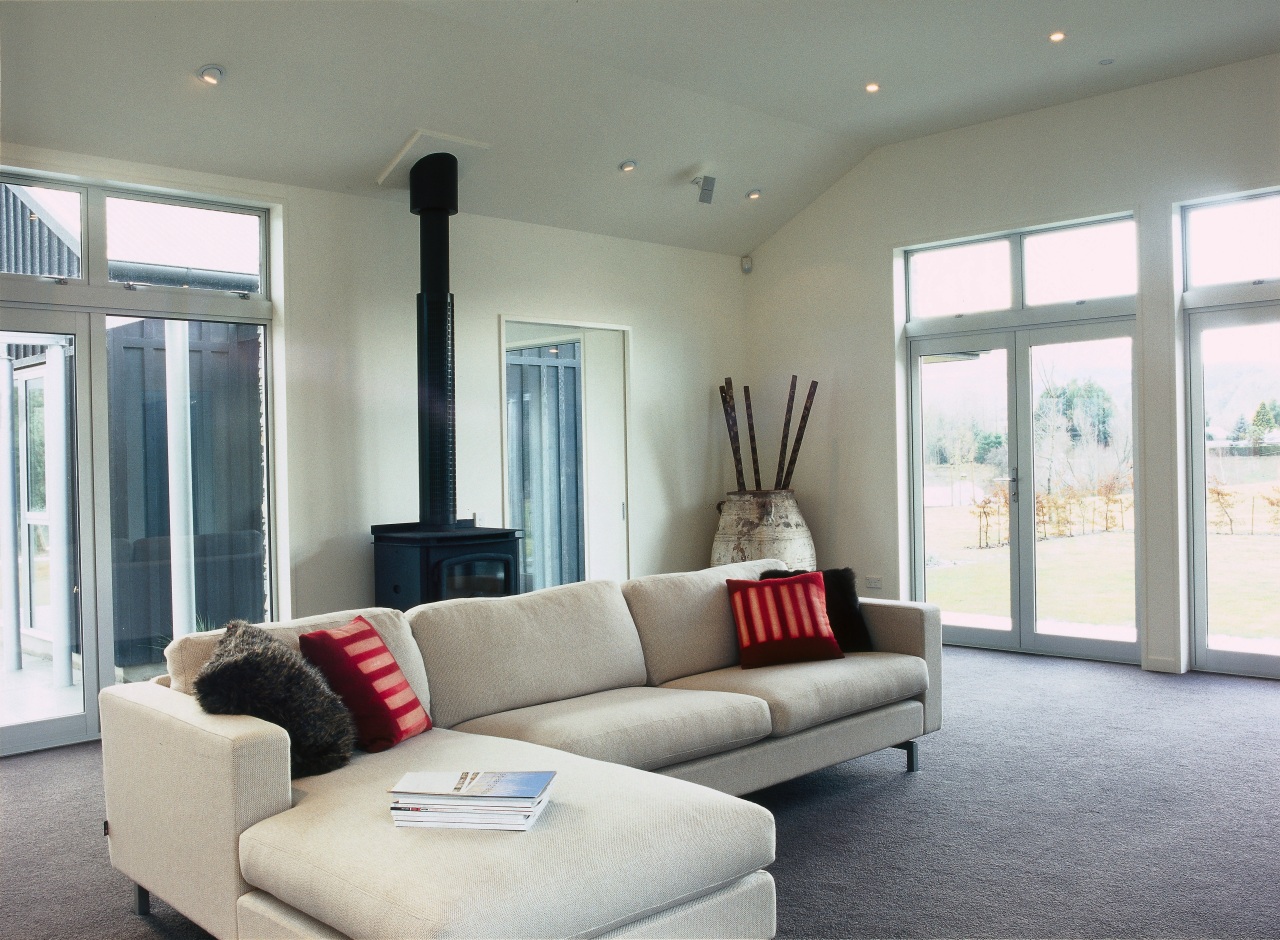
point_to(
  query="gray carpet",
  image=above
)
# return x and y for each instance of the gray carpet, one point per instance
(1061, 799)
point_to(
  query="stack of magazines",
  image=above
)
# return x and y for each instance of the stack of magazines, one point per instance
(471, 799)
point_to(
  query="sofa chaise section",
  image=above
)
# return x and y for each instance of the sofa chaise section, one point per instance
(614, 845)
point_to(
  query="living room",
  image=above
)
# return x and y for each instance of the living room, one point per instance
(1180, 125)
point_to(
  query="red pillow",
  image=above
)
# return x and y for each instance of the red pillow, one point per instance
(361, 669)
(782, 621)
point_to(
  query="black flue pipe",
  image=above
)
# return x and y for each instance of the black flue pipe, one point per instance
(433, 197)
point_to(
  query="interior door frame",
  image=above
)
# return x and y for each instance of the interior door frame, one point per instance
(1203, 658)
(97, 661)
(571, 326)
(1017, 342)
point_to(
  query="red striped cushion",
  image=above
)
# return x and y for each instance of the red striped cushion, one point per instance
(782, 621)
(361, 669)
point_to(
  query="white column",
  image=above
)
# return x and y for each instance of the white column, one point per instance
(57, 496)
(182, 567)
(9, 611)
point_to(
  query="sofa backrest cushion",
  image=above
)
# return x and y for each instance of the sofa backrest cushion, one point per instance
(187, 654)
(490, 655)
(684, 620)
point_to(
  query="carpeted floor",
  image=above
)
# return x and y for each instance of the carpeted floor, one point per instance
(1061, 799)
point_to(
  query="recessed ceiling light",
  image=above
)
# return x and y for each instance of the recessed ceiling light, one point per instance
(627, 166)
(873, 88)
(1106, 61)
(211, 74)
(1057, 36)
(754, 194)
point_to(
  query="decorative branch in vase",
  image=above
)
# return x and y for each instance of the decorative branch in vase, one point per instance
(762, 523)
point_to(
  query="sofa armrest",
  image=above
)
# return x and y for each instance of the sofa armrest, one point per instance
(909, 627)
(181, 786)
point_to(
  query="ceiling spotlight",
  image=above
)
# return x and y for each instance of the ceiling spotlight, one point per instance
(211, 74)
(1106, 61)
(1057, 36)
(627, 166)
(872, 88)
(754, 194)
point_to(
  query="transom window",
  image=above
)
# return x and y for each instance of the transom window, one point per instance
(1065, 265)
(1236, 242)
(86, 234)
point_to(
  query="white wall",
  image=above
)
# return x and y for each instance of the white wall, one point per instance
(820, 299)
(345, 280)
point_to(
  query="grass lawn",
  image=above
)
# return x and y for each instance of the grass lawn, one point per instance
(1090, 578)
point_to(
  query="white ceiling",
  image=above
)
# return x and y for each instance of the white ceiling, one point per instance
(548, 96)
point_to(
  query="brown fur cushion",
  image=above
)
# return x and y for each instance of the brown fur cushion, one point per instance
(253, 673)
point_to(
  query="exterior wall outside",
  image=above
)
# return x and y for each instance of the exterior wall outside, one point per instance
(344, 279)
(821, 302)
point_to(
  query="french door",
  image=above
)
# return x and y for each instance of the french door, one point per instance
(49, 678)
(1234, 384)
(1023, 509)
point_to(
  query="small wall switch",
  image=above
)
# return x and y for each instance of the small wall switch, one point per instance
(872, 583)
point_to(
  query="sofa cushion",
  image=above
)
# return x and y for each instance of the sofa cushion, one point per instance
(252, 673)
(614, 844)
(641, 727)
(684, 620)
(801, 695)
(489, 655)
(187, 654)
(360, 668)
(782, 621)
(844, 611)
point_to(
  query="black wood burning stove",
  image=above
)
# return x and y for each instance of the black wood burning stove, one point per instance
(439, 557)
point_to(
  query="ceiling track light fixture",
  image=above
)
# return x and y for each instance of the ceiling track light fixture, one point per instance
(706, 187)
(211, 74)
(627, 166)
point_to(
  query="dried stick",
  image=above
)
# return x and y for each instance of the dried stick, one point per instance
(731, 421)
(751, 434)
(786, 432)
(804, 419)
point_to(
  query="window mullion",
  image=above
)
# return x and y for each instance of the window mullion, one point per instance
(1015, 272)
(94, 243)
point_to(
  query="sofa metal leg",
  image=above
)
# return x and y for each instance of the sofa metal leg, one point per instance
(141, 901)
(913, 755)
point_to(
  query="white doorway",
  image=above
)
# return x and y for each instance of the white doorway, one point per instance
(565, 438)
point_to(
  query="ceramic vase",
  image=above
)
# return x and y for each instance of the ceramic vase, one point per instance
(763, 524)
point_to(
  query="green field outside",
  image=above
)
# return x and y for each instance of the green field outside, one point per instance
(1089, 578)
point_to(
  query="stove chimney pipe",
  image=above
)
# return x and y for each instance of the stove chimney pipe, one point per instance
(433, 197)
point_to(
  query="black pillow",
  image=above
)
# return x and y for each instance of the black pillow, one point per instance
(253, 673)
(843, 609)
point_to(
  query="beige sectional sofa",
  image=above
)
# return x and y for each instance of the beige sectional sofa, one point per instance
(630, 692)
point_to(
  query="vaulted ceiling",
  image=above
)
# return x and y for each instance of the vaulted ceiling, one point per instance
(542, 99)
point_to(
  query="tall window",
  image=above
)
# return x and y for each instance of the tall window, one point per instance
(169, 296)
(1232, 255)
(1021, 350)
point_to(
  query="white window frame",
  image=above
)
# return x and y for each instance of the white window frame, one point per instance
(1220, 305)
(90, 300)
(95, 290)
(1018, 314)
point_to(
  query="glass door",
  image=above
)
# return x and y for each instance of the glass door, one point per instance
(49, 680)
(1024, 519)
(965, 499)
(1235, 405)
(1078, 523)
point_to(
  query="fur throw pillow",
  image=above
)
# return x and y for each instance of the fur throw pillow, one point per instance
(253, 673)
